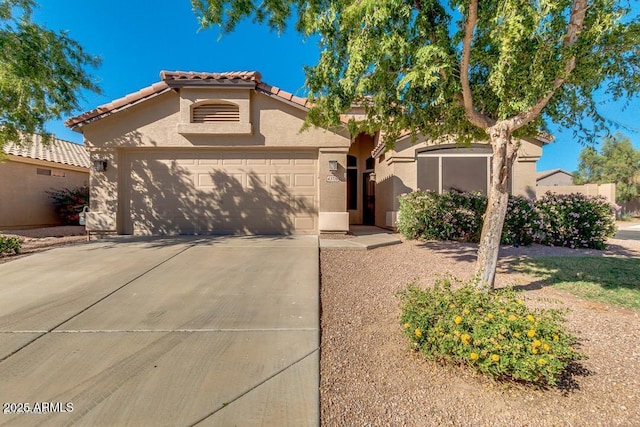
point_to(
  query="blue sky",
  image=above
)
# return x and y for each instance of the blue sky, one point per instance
(138, 38)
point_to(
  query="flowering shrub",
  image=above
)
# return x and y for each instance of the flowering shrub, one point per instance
(447, 216)
(9, 244)
(521, 223)
(576, 220)
(69, 203)
(563, 220)
(494, 333)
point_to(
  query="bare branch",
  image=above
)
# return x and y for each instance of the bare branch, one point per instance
(476, 118)
(578, 12)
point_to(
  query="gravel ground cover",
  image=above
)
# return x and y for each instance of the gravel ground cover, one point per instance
(370, 377)
(39, 239)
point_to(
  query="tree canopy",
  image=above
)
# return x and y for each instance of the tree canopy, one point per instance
(405, 60)
(618, 162)
(478, 70)
(41, 73)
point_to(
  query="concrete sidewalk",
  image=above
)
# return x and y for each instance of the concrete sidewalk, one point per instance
(363, 237)
(176, 332)
(628, 232)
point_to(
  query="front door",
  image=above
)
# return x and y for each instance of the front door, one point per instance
(368, 199)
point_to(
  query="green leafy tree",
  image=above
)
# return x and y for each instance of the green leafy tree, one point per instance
(618, 163)
(41, 73)
(493, 70)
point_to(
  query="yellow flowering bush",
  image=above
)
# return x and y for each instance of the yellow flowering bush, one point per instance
(494, 333)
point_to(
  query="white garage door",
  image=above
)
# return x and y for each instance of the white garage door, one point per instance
(220, 192)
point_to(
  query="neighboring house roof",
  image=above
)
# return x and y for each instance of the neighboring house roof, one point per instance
(544, 174)
(57, 151)
(177, 79)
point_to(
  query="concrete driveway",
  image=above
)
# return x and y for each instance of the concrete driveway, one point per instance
(177, 332)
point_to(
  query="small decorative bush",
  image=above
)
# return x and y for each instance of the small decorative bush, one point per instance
(494, 333)
(69, 203)
(10, 244)
(576, 220)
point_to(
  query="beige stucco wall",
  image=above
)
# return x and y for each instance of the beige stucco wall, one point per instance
(608, 191)
(396, 174)
(24, 202)
(156, 123)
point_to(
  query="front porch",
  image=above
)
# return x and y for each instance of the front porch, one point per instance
(360, 237)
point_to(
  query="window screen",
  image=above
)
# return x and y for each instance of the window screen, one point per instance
(428, 173)
(464, 174)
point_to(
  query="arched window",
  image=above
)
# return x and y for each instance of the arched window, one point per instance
(215, 112)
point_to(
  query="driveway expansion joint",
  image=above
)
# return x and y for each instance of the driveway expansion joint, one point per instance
(96, 302)
(255, 386)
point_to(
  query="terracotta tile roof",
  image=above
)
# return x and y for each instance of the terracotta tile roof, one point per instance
(58, 151)
(279, 93)
(119, 104)
(252, 76)
(172, 79)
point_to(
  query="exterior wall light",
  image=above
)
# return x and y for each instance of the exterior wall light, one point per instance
(372, 177)
(333, 165)
(100, 165)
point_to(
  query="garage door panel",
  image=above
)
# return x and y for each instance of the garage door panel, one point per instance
(222, 192)
(257, 180)
(304, 180)
(231, 161)
(185, 162)
(207, 162)
(279, 180)
(256, 159)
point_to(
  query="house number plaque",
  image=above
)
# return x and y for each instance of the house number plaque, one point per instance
(332, 178)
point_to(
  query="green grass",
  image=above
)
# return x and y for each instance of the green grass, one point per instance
(614, 281)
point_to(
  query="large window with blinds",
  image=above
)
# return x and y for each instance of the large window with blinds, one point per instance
(454, 169)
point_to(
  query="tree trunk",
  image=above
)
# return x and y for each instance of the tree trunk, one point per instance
(504, 154)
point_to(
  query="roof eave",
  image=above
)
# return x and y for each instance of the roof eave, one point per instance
(77, 125)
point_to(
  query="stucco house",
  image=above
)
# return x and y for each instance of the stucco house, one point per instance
(554, 177)
(223, 153)
(29, 171)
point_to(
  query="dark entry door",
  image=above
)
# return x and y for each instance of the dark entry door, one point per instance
(368, 200)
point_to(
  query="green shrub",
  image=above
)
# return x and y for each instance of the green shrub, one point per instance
(575, 220)
(428, 215)
(562, 220)
(69, 203)
(494, 333)
(9, 244)
(415, 210)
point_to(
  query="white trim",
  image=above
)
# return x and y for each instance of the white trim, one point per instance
(439, 174)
